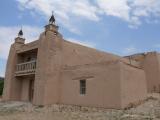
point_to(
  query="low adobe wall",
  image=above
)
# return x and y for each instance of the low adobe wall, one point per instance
(150, 63)
(133, 85)
(152, 70)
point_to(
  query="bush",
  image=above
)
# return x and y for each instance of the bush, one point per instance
(1, 86)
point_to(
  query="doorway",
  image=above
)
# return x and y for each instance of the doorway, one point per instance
(31, 90)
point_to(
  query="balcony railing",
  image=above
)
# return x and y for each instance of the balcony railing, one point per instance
(26, 68)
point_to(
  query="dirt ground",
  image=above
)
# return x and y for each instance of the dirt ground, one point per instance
(148, 110)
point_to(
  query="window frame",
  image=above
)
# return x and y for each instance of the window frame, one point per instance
(82, 87)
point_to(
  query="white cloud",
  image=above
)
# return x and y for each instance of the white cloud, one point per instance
(117, 8)
(62, 8)
(8, 34)
(65, 10)
(131, 10)
(69, 11)
(130, 50)
(85, 9)
(84, 43)
(134, 22)
(146, 7)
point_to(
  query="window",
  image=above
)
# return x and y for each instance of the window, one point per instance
(82, 87)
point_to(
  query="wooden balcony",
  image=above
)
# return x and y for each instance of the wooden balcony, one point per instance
(27, 68)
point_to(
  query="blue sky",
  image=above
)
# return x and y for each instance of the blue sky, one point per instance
(121, 27)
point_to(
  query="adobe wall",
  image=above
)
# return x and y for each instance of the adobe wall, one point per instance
(151, 67)
(158, 55)
(53, 72)
(150, 63)
(137, 57)
(41, 71)
(12, 86)
(102, 85)
(29, 46)
(48, 69)
(132, 62)
(16, 89)
(133, 85)
(75, 54)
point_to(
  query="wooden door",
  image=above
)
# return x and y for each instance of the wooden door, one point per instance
(31, 90)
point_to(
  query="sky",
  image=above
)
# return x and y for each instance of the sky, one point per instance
(121, 27)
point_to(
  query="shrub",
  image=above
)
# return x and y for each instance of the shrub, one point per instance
(1, 86)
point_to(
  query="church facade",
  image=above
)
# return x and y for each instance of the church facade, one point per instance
(52, 70)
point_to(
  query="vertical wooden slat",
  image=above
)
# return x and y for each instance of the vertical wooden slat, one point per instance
(26, 67)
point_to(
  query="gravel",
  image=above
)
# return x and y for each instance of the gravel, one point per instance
(147, 110)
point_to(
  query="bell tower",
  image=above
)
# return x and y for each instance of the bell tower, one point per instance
(52, 25)
(12, 86)
(48, 65)
(20, 38)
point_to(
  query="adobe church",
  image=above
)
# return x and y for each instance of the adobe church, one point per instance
(52, 70)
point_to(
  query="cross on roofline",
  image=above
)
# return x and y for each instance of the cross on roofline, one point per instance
(52, 19)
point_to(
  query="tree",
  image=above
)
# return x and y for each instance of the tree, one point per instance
(1, 85)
